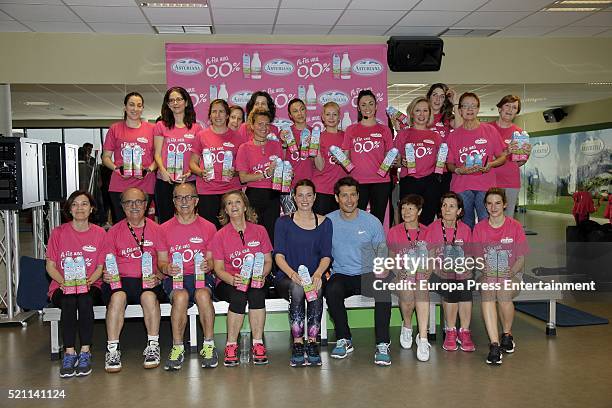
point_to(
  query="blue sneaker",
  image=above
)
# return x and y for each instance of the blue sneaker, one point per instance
(84, 366)
(69, 363)
(297, 355)
(382, 356)
(342, 349)
(313, 357)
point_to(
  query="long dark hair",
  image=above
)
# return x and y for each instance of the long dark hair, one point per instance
(127, 98)
(271, 106)
(447, 107)
(362, 93)
(166, 112)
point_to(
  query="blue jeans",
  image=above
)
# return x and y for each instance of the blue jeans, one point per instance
(473, 200)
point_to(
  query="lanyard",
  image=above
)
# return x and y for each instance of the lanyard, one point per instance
(408, 234)
(139, 242)
(444, 233)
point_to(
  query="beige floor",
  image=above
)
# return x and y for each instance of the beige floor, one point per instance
(572, 369)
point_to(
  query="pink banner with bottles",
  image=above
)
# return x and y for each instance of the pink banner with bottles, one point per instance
(314, 73)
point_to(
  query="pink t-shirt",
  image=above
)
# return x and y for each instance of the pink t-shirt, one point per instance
(426, 146)
(227, 245)
(398, 242)
(188, 239)
(178, 140)
(121, 243)
(218, 145)
(324, 180)
(461, 240)
(65, 241)
(483, 140)
(302, 167)
(118, 137)
(246, 133)
(508, 174)
(368, 147)
(509, 238)
(254, 158)
(442, 128)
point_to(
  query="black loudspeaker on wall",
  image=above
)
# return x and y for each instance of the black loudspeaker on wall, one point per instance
(409, 54)
(554, 115)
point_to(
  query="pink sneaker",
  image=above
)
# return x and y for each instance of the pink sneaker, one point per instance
(465, 340)
(450, 339)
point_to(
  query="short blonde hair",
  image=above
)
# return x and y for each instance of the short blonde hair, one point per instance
(410, 109)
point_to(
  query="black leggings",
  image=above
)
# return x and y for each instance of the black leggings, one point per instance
(294, 293)
(164, 206)
(266, 203)
(118, 214)
(427, 187)
(256, 298)
(339, 287)
(209, 207)
(324, 204)
(377, 195)
(70, 304)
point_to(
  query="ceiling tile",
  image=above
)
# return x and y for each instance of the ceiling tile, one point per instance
(301, 16)
(599, 19)
(116, 28)
(369, 17)
(360, 30)
(242, 29)
(5, 17)
(416, 31)
(39, 12)
(607, 33)
(515, 5)
(432, 18)
(551, 19)
(575, 32)
(124, 3)
(57, 27)
(450, 5)
(402, 5)
(110, 14)
(12, 27)
(292, 29)
(252, 16)
(316, 4)
(522, 32)
(238, 4)
(488, 19)
(57, 2)
(165, 16)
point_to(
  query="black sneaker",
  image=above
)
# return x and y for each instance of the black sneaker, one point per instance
(313, 357)
(69, 364)
(495, 354)
(507, 343)
(297, 355)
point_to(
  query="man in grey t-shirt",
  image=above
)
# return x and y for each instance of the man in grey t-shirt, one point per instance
(358, 238)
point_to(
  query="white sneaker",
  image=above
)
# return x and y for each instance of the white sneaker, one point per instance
(423, 347)
(406, 337)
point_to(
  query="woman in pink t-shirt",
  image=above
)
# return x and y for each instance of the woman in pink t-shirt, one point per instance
(260, 100)
(236, 118)
(449, 239)
(72, 241)
(501, 243)
(220, 141)
(174, 135)
(367, 143)
(132, 133)
(327, 169)
(255, 165)
(188, 235)
(508, 175)
(444, 106)
(240, 238)
(407, 240)
(426, 143)
(473, 151)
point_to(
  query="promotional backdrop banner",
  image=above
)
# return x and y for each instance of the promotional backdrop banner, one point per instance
(314, 73)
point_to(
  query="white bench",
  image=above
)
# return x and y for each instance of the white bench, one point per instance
(52, 315)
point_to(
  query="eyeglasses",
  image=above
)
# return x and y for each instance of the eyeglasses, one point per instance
(133, 203)
(175, 100)
(187, 199)
(464, 106)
